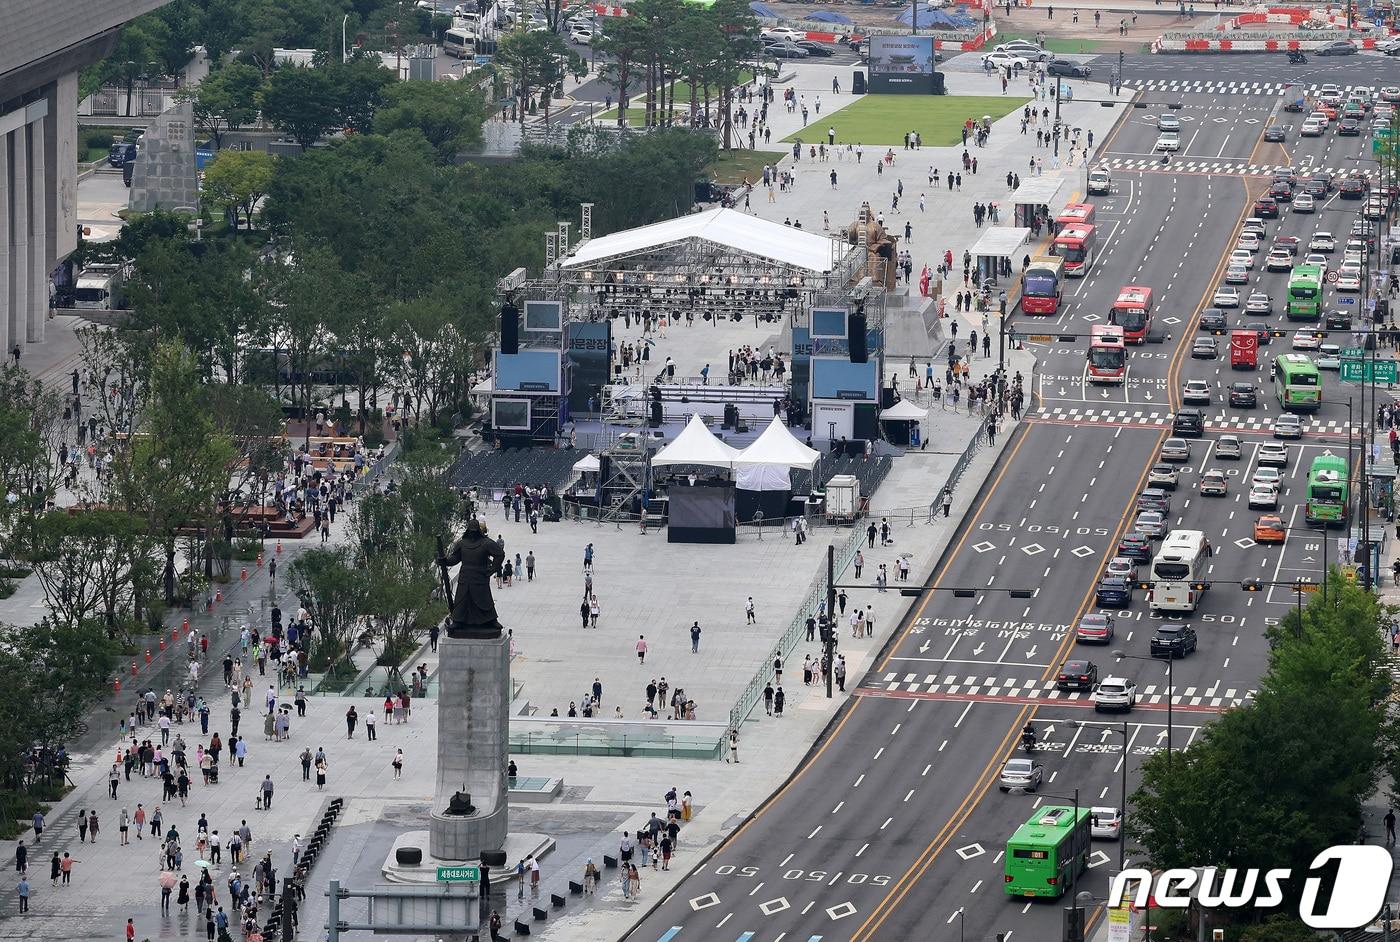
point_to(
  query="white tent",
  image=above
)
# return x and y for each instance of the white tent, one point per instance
(587, 463)
(904, 411)
(696, 444)
(763, 477)
(777, 446)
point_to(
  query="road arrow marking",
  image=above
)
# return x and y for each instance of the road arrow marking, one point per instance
(923, 647)
(979, 648)
(1162, 735)
(1031, 653)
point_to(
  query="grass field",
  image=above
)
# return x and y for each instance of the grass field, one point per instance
(882, 120)
(733, 166)
(1082, 47)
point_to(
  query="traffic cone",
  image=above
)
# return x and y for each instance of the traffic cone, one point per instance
(279, 547)
(185, 624)
(244, 574)
(148, 657)
(117, 684)
(218, 595)
(260, 560)
(162, 642)
(133, 668)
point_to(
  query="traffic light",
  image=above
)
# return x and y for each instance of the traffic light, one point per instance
(1200, 586)
(1252, 585)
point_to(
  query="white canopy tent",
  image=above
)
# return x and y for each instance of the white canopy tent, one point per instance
(696, 444)
(587, 463)
(777, 446)
(904, 411)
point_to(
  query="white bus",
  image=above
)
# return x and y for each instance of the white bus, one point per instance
(1181, 560)
(459, 42)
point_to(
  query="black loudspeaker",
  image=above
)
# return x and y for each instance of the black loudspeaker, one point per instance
(409, 856)
(510, 328)
(939, 88)
(493, 858)
(855, 335)
(887, 397)
(857, 82)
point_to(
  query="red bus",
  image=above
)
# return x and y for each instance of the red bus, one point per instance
(1081, 214)
(1042, 284)
(1108, 358)
(1133, 312)
(1075, 244)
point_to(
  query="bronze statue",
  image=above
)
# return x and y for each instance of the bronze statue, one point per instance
(473, 610)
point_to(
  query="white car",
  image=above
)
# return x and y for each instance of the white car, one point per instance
(1242, 257)
(1248, 240)
(1279, 260)
(1168, 122)
(1322, 242)
(1003, 60)
(1196, 391)
(1226, 297)
(1329, 357)
(1288, 425)
(1168, 142)
(1263, 497)
(1274, 454)
(1114, 693)
(783, 32)
(1105, 823)
(1320, 117)
(581, 34)
(1311, 128)
(1348, 281)
(1271, 476)
(1303, 203)
(1318, 259)
(1229, 447)
(1024, 49)
(1306, 340)
(1259, 303)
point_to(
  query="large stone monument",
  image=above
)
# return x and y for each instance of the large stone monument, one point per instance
(469, 808)
(164, 176)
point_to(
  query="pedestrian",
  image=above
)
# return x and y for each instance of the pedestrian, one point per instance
(23, 890)
(65, 867)
(398, 763)
(641, 649)
(130, 931)
(267, 792)
(768, 699)
(320, 773)
(124, 827)
(695, 638)
(590, 877)
(752, 618)
(369, 726)
(92, 825)
(351, 718)
(1390, 827)
(82, 825)
(779, 698)
(733, 747)
(306, 764)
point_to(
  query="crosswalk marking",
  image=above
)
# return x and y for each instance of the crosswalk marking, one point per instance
(1232, 88)
(1151, 694)
(1233, 167)
(1160, 417)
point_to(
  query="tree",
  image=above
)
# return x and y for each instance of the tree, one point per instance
(536, 61)
(359, 88)
(625, 41)
(226, 99)
(133, 57)
(177, 461)
(335, 591)
(1272, 781)
(93, 564)
(448, 114)
(239, 179)
(302, 102)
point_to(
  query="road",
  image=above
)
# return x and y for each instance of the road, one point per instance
(893, 828)
(1223, 73)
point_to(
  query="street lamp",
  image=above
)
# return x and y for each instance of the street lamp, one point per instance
(1123, 788)
(1171, 688)
(1074, 932)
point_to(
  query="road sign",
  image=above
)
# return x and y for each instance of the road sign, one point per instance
(1353, 352)
(469, 874)
(1346, 300)
(1332, 277)
(1305, 587)
(1357, 371)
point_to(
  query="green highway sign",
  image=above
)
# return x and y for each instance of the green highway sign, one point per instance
(1357, 371)
(1355, 352)
(471, 874)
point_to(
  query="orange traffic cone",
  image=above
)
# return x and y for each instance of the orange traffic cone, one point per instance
(148, 657)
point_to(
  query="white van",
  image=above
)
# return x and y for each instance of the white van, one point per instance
(459, 42)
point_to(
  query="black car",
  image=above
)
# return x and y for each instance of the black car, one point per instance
(1114, 592)
(1266, 207)
(1338, 320)
(1316, 186)
(1275, 134)
(1282, 191)
(1171, 640)
(1189, 423)
(1243, 395)
(1213, 320)
(1350, 127)
(1077, 674)
(1352, 188)
(1137, 547)
(1337, 48)
(815, 50)
(1065, 67)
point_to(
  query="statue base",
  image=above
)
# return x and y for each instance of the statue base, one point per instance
(473, 746)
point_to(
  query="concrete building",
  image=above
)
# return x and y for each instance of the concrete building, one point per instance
(42, 46)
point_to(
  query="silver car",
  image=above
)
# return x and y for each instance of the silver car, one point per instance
(1288, 425)
(1229, 447)
(1175, 449)
(1105, 823)
(1151, 523)
(1023, 774)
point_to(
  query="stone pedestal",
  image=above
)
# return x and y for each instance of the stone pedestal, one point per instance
(164, 176)
(473, 742)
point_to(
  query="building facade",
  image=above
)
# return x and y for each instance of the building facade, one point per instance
(43, 45)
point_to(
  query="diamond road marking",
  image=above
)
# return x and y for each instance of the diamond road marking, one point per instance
(1091, 317)
(1249, 121)
(1171, 320)
(971, 850)
(841, 911)
(1098, 858)
(1220, 120)
(984, 546)
(1082, 551)
(1033, 549)
(704, 902)
(776, 905)
(1244, 543)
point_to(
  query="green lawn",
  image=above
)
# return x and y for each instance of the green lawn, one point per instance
(882, 120)
(733, 166)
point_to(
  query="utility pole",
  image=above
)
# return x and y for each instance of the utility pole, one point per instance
(827, 626)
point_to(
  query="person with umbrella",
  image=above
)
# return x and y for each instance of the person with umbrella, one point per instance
(167, 882)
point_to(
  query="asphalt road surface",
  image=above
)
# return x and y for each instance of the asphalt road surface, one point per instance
(894, 827)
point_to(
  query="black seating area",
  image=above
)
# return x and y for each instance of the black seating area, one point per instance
(506, 467)
(870, 473)
(522, 928)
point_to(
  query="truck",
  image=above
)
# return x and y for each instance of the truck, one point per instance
(1244, 350)
(100, 288)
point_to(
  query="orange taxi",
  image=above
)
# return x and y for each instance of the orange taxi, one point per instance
(1269, 529)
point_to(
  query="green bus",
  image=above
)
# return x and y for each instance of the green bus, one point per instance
(1305, 293)
(1327, 490)
(1297, 384)
(1046, 853)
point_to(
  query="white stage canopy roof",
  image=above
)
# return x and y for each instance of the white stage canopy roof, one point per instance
(904, 411)
(777, 446)
(727, 228)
